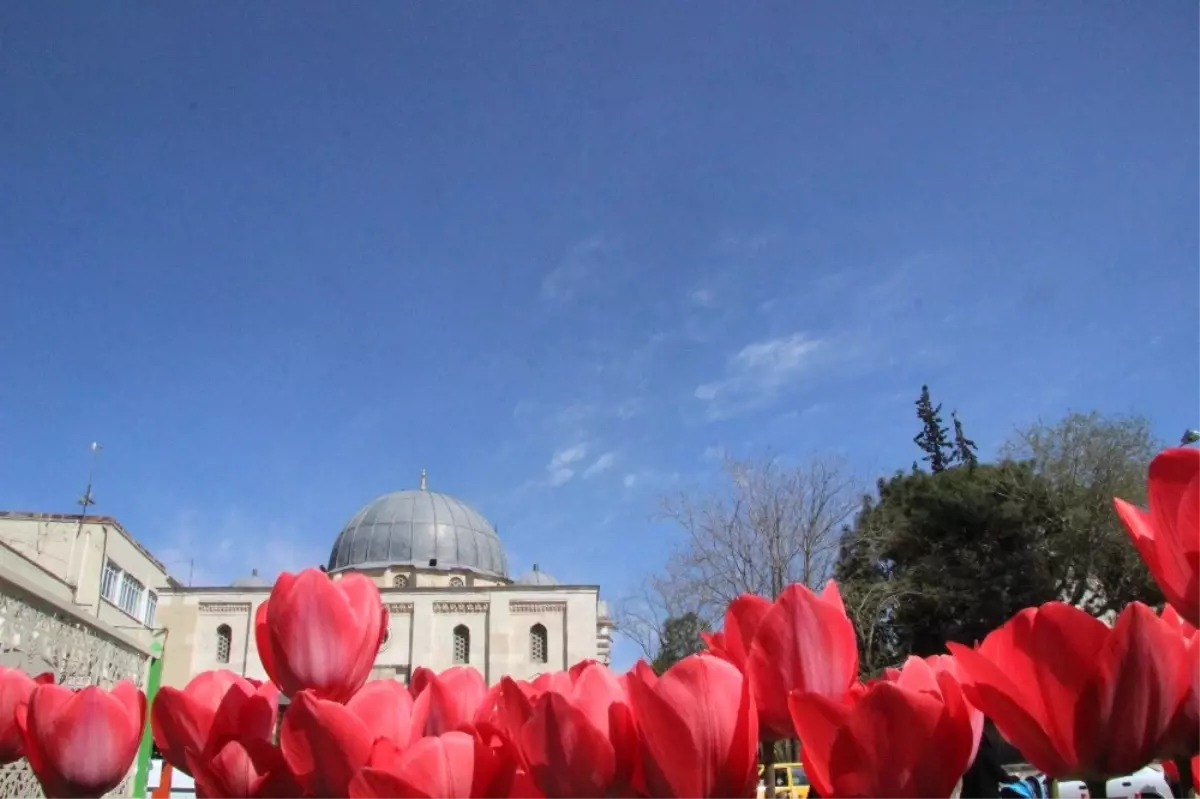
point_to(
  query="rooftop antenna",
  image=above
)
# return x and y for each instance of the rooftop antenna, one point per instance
(87, 500)
(84, 502)
(424, 481)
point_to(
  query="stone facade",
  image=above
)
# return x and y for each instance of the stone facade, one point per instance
(39, 632)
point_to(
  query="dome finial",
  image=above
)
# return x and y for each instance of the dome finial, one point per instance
(424, 481)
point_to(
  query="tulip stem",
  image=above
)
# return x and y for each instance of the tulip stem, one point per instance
(768, 748)
(1187, 780)
(1097, 789)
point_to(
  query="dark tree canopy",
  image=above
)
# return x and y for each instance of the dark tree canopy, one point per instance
(947, 556)
(678, 638)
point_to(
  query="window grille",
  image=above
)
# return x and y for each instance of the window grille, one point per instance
(456, 582)
(462, 644)
(132, 593)
(110, 582)
(537, 643)
(400, 581)
(224, 640)
(151, 608)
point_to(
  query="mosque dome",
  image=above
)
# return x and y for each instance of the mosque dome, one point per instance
(536, 577)
(420, 528)
(251, 580)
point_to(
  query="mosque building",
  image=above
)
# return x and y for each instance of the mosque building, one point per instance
(440, 567)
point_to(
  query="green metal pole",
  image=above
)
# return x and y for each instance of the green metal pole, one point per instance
(147, 747)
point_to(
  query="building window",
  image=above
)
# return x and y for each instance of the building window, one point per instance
(462, 644)
(537, 643)
(456, 582)
(110, 582)
(400, 581)
(132, 593)
(151, 608)
(224, 641)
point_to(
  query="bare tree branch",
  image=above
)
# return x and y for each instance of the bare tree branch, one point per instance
(772, 525)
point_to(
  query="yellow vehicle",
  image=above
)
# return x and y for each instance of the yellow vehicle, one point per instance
(788, 782)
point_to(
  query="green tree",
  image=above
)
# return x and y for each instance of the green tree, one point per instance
(945, 556)
(1089, 458)
(678, 638)
(964, 448)
(932, 439)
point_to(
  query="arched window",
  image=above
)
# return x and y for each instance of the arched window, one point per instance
(400, 581)
(456, 582)
(537, 643)
(224, 641)
(462, 644)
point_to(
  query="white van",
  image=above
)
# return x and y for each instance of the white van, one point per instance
(1148, 782)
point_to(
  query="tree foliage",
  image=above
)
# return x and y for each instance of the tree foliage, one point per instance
(1088, 459)
(678, 638)
(945, 556)
(933, 441)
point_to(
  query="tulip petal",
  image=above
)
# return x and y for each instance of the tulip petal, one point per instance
(15, 689)
(566, 754)
(386, 708)
(324, 744)
(804, 643)
(1124, 712)
(817, 719)
(742, 619)
(1015, 712)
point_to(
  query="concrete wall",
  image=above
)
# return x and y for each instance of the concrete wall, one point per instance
(42, 630)
(74, 554)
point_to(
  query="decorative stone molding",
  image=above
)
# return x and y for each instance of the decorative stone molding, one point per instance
(37, 638)
(460, 607)
(400, 607)
(225, 608)
(519, 606)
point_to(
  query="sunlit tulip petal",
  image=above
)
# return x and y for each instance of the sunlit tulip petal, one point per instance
(81, 743)
(15, 688)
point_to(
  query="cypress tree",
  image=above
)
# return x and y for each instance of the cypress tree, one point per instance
(964, 448)
(932, 439)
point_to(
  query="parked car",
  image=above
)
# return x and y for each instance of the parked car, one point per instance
(788, 782)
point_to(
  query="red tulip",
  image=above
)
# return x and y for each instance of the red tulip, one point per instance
(243, 768)
(81, 743)
(219, 730)
(801, 642)
(742, 618)
(1078, 699)
(698, 730)
(455, 765)
(320, 634)
(580, 741)
(1168, 536)
(325, 743)
(449, 701)
(906, 737)
(938, 664)
(15, 688)
(1184, 737)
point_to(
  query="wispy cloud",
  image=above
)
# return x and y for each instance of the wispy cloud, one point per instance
(562, 464)
(758, 373)
(563, 282)
(630, 480)
(600, 465)
(713, 453)
(704, 298)
(209, 550)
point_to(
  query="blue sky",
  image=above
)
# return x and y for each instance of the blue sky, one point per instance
(277, 259)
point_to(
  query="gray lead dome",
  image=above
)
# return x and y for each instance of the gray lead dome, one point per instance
(413, 528)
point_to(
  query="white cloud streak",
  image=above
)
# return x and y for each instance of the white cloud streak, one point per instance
(561, 467)
(757, 374)
(600, 465)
